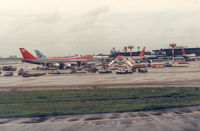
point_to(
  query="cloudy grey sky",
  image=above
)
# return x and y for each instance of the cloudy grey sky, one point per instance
(66, 27)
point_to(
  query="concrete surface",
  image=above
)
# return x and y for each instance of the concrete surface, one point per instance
(177, 119)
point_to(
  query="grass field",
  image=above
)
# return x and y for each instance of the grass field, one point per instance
(86, 101)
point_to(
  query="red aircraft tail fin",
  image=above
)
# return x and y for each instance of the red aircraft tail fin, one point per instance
(183, 52)
(26, 55)
(142, 52)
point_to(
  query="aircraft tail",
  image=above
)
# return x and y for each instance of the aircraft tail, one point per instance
(40, 54)
(26, 55)
(142, 52)
(183, 52)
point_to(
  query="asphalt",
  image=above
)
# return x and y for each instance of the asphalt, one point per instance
(156, 77)
(176, 119)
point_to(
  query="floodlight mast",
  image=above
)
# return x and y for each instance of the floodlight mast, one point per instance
(173, 46)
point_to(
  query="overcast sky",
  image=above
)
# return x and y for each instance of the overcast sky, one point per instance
(67, 27)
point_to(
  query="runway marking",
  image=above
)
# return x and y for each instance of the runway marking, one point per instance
(101, 120)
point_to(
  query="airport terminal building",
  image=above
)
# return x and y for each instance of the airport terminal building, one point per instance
(177, 51)
(115, 53)
(159, 52)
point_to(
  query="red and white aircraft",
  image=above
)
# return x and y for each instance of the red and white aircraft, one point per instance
(29, 58)
(187, 55)
(190, 57)
(141, 56)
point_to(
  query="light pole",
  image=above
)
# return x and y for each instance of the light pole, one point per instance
(130, 47)
(125, 48)
(173, 46)
(138, 48)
